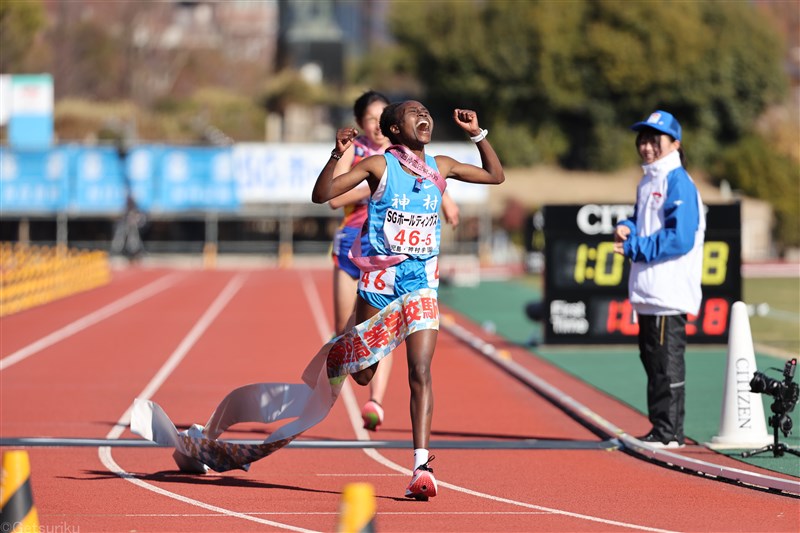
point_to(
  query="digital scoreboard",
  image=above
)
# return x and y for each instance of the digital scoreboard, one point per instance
(586, 283)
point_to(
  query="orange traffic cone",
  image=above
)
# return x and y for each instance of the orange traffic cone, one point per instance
(16, 498)
(357, 512)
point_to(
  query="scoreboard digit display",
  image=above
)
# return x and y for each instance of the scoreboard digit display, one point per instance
(586, 283)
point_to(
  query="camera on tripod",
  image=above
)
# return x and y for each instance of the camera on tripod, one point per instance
(785, 392)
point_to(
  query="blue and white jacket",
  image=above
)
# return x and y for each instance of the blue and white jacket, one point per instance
(666, 241)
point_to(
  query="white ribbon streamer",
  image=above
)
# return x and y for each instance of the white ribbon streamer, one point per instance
(198, 448)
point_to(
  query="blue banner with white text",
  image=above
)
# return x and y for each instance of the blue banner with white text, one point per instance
(99, 185)
(33, 181)
(194, 178)
(96, 180)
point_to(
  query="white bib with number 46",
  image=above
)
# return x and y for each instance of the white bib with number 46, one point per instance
(411, 233)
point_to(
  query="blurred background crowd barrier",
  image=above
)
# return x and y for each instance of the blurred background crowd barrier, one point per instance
(34, 275)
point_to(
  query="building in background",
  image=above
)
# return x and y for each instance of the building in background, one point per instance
(155, 52)
(168, 48)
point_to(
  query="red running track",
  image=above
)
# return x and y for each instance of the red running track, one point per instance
(185, 338)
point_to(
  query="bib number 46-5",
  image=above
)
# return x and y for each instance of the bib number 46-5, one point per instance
(411, 234)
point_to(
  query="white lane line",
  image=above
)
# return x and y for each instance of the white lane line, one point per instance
(89, 320)
(180, 352)
(354, 413)
(276, 513)
(359, 475)
(104, 452)
(108, 461)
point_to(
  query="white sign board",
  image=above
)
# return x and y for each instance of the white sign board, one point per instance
(285, 173)
(5, 98)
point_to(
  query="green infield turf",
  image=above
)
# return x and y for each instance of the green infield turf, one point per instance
(616, 370)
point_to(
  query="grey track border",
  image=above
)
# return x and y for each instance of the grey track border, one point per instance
(471, 444)
(607, 430)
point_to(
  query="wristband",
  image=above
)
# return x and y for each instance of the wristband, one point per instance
(479, 137)
(335, 155)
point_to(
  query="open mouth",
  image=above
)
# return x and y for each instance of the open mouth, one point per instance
(423, 126)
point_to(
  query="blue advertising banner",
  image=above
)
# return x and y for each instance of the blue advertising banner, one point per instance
(99, 185)
(194, 178)
(163, 178)
(141, 167)
(33, 181)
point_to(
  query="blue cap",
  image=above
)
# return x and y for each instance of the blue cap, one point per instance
(661, 121)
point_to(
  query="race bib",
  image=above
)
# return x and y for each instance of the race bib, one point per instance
(432, 271)
(378, 281)
(411, 233)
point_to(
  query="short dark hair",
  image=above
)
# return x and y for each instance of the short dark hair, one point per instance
(363, 102)
(390, 117)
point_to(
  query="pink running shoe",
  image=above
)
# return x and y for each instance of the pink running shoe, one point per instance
(372, 414)
(423, 484)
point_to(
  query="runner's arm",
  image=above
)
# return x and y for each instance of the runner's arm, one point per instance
(451, 168)
(353, 196)
(491, 171)
(450, 209)
(329, 186)
(324, 188)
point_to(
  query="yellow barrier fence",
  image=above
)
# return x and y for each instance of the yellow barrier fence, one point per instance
(34, 275)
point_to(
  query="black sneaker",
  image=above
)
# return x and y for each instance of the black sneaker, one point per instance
(661, 443)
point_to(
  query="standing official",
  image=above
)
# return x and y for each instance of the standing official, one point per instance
(664, 241)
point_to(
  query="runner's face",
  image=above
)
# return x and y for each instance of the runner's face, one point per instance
(416, 123)
(653, 145)
(370, 123)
